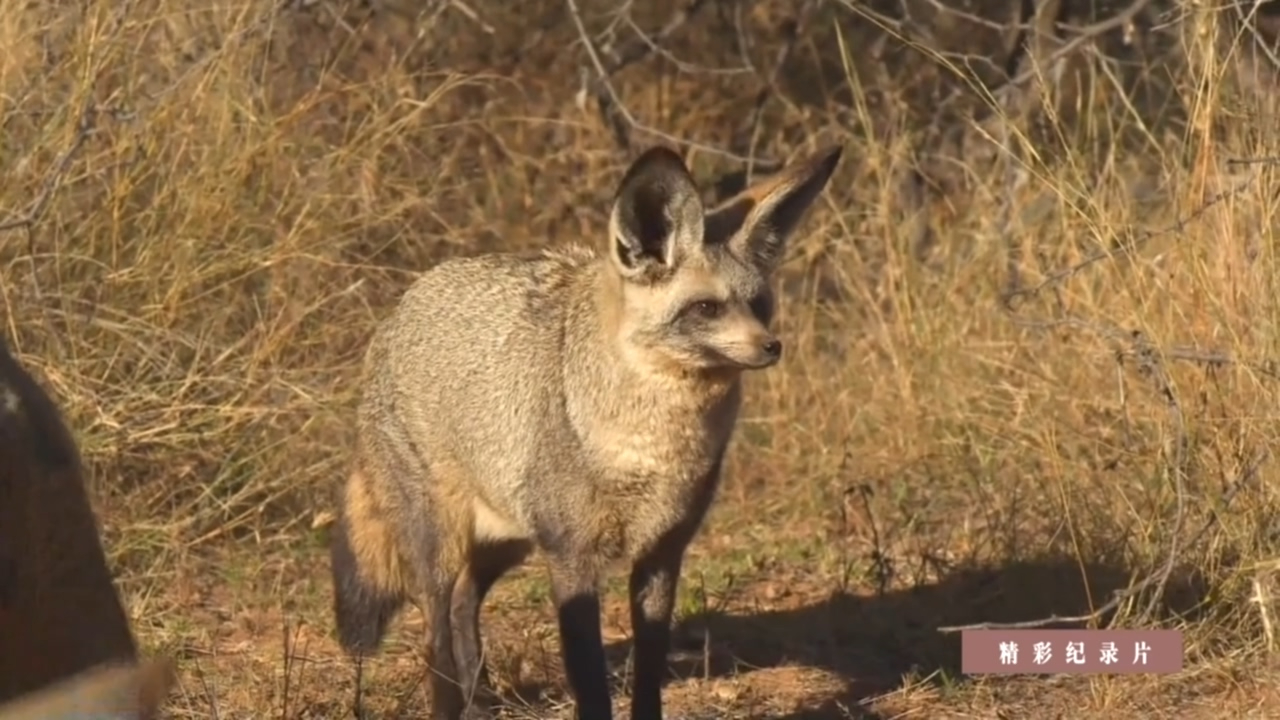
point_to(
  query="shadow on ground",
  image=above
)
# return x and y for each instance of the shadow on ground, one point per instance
(871, 642)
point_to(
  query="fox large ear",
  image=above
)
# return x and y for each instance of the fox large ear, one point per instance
(757, 222)
(656, 216)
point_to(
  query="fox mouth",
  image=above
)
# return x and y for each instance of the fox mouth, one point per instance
(758, 362)
(717, 360)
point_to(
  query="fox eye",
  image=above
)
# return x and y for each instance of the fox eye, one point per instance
(707, 309)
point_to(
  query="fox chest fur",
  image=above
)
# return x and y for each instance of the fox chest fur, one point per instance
(520, 412)
(657, 451)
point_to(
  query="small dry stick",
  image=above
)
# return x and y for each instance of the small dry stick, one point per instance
(36, 208)
(621, 121)
(770, 88)
(1178, 226)
(1245, 477)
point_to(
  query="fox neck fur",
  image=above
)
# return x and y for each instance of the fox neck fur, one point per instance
(625, 443)
(655, 429)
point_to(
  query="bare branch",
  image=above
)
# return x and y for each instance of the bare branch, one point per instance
(794, 32)
(1119, 248)
(1085, 34)
(617, 116)
(645, 45)
(1244, 478)
(35, 209)
(655, 48)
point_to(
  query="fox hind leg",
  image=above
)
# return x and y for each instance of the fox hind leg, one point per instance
(488, 562)
(392, 544)
(437, 571)
(435, 562)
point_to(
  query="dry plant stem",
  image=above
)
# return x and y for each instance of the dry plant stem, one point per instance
(472, 15)
(1150, 364)
(770, 88)
(1246, 476)
(49, 187)
(1084, 35)
(620, 120)
(1063, 274)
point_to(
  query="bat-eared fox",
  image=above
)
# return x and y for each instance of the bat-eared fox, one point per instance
(575, 401)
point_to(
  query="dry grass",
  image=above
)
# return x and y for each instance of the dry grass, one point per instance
(223, 199)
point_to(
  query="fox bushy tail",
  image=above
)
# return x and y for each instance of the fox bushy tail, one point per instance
(368, 590)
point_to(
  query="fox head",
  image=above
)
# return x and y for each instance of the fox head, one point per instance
(694, 285)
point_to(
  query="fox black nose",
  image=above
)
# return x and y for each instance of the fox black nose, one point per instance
(773, 349)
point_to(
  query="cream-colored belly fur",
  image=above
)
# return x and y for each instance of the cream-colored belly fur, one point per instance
(492, 526)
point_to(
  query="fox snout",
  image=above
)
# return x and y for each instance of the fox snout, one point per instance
(770, 353)
(760, 354)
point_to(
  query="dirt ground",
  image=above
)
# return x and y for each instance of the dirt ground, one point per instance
(206, 208)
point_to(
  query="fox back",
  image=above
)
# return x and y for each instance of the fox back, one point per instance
(60, 615)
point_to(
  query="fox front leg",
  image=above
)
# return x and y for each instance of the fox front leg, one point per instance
(575, 588)
(653, 595)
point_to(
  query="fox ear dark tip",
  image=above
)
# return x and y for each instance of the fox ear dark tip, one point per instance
(822, 165)
(661, 153)
(656, 161)
(829, 156)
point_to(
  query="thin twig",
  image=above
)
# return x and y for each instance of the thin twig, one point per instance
(1267, 160)
(1150, 363)
(1084, 35)
(652, 43)
(1245, 477)
(793, 34)
(621, 121)
(1142, 238)
(35, 209)
(472, 15)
